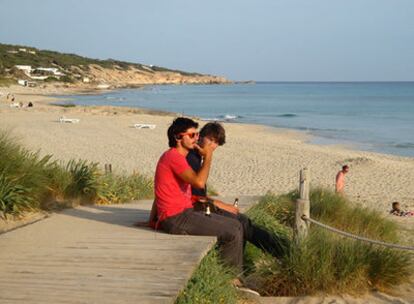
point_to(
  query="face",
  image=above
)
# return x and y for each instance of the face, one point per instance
(189, 138)
(206, 140)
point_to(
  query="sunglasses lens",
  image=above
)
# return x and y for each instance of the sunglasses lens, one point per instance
(191, 135)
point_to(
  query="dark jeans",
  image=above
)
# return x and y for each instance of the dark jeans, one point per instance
(229, 232)
(232, 232)
(259, 237)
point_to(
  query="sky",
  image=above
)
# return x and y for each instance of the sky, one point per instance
(262, 40)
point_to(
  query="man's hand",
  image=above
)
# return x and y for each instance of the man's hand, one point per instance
(207, 149)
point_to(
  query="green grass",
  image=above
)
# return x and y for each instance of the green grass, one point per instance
(30, 182)
(326, 262)
(120, 188)
(210, 283)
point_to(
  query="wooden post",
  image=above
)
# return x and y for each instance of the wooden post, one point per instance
(108, 168)
(302, 206)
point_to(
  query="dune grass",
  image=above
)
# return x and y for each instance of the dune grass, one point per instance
(326, 262)
(31, 182)
(210, 283)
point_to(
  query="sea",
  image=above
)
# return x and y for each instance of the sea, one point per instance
(370, 116)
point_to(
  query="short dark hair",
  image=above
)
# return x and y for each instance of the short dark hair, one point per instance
(179, 125)
(344, 167)
(215, 131)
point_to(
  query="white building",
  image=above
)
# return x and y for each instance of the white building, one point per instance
(54, 71)
(25, 68)
(22, 82)
(103, 86)
(39, 77)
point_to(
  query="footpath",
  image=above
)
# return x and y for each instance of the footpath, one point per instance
(94, 254)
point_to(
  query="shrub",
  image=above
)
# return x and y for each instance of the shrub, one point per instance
(14, 198)
(326, 262)
(24, 182)
(85, 181)
(29, 182)
(119, 189)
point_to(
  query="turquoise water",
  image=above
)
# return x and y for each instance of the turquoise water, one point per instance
(369, 116)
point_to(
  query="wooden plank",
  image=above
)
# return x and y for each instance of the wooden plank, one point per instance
(94, 254)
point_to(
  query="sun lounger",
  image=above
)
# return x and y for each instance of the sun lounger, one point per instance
(63, 119)
(15, 105)
(144, 126)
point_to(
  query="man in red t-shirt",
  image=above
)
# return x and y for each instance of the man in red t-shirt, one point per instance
(173, 181)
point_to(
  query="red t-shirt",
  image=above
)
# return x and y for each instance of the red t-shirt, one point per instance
(172, 194)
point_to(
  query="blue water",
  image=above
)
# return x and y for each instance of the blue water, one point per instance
(369, 116)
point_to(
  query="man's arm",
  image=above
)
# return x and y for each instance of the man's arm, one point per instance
(199, 179)
(227, 207)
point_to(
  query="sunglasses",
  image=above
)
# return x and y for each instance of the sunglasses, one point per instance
(190, 134)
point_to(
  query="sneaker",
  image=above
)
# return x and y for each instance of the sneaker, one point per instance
(248, 291)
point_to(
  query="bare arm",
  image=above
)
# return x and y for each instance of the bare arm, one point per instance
(227, 207)
(199, 179)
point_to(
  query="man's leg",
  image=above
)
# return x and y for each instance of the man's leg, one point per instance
(229, 232)
(261, 238)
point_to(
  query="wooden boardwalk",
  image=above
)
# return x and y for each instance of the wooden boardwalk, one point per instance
(94, 254)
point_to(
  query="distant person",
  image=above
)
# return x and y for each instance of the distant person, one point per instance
(396, 210)
(340, 179)
(30, 104)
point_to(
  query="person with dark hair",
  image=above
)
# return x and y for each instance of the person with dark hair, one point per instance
(259, 237)
(212, 132)
(396, 210)
(340, 179)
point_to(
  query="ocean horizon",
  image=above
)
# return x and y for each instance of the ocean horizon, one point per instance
(369, 116)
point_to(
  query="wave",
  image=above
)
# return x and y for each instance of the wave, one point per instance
(287, 115)
(222, 118)
(230, 116)
(115, 98)
(211, 119)
(407, 145)
(321, 129)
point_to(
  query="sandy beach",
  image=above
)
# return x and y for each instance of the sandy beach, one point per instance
(254, 160)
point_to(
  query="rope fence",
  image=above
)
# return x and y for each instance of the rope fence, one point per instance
(303, 219)
(357, 237)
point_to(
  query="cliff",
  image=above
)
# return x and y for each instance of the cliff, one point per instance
(28, 63)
